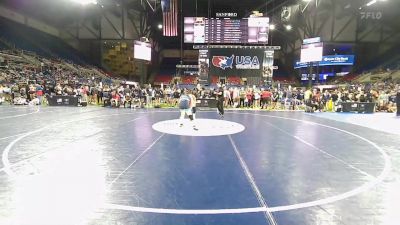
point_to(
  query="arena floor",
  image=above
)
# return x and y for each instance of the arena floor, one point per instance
(64, 166)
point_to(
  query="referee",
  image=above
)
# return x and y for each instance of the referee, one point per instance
(219, 93)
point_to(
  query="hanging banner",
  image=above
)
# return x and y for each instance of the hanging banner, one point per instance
(170, 17)
(237, 62)
(203, 65)
(268, 64)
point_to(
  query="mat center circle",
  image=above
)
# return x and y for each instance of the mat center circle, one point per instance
(198, 127)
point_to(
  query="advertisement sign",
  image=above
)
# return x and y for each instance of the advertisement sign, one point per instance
(203, 65)
(370, 15)
(239, 62)
(330, 60)
(268, 64)
(226, 14)
(59, 100)
(322, 76)
(311, 40)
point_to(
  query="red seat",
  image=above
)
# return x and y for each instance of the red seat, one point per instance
(234, 80)
(188, 79)
(214, 79)
(165, 79)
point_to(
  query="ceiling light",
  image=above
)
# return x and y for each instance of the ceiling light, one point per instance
(371, 2)
(272, 27)
(85, 2)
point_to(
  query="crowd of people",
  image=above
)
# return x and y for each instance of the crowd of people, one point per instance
(22, 84)
(290, 98)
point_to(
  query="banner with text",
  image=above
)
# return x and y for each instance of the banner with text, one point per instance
(330, 60)
(268, 64)
(238, 62)
(203, 65)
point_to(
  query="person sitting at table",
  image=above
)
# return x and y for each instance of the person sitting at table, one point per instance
(115, 98)
(128, 100)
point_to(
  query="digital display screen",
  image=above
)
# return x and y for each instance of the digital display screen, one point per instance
(311, 52)
(330, 60)
(142, 50)
(202, 30)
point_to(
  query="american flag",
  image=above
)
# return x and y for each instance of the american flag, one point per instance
(170, 17)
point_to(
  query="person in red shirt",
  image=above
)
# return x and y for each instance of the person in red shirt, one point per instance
(249, 98)
(265, 98)
(115, 99)
(39, 94)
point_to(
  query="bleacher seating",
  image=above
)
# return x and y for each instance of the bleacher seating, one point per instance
(188, 79)
(214, 79)
(234, 80)
(388, 60)
(3, 46)
(169, 65)
(165, 79)
(343, 79)
(396, 76)
(253, 80)
(119, 58)
(349, 77)
(167, 70)
(29, 39)
(372, 77)
(282, 79)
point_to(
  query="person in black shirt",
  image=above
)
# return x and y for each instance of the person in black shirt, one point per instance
(219, 93)
(369, 96)
(345, 97)
(335, 97)
(362, 98)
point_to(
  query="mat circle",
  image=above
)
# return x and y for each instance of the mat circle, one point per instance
(198, 127)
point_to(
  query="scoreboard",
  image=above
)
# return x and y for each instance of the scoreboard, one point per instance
(201, 30)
